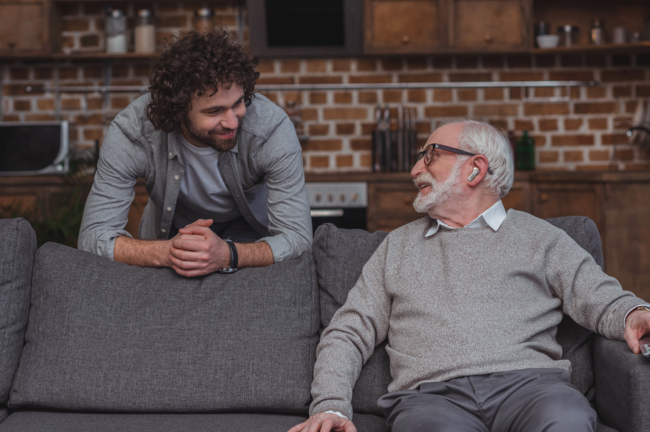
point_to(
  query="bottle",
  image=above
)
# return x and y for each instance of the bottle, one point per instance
(597, 33)
(116, 41)
(145, 32)
(525, 153)
(203, 20)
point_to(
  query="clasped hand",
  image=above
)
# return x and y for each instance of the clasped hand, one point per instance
(325, 422)
(197, 250)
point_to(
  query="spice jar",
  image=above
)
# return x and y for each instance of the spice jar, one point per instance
(203, 20)
(145, 32)
(116, 41)
(568, 35)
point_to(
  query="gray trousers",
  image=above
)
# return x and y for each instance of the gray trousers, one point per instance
(527, 400)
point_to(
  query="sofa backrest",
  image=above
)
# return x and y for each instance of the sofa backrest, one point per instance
(340, 256)
(106, 336)
(17, 248)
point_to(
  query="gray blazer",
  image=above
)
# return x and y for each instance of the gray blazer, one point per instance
(263, 172)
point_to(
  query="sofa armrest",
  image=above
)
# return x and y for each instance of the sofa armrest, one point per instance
(622, 386)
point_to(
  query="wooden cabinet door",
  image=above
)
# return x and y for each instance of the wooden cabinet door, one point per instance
(518, 198)
(404, 26)
(24, 27)
(489, 25)
(561, 199)
(390, 205)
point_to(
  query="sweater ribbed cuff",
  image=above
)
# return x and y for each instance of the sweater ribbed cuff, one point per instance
(331, 405)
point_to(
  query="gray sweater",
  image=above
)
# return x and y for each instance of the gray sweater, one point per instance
(465, 302)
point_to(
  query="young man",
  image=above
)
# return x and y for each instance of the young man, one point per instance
(223, 168)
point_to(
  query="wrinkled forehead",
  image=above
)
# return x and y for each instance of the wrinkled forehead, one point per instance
(446, 135)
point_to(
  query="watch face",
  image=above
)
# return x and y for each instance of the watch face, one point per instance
(644, 346)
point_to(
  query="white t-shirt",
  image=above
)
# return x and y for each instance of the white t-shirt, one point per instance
(203, 193)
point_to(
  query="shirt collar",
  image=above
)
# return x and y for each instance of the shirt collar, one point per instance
(492, 217)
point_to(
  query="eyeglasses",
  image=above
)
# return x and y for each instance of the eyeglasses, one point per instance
(427, 153)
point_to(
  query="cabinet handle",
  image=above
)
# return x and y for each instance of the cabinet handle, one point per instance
(488, 38)
(406, 40)
(543, 197)
(12, 44)
(408, 200)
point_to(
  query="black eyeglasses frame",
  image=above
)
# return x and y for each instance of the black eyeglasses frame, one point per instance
(435, 146)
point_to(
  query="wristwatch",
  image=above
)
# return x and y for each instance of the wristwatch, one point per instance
(233, 259)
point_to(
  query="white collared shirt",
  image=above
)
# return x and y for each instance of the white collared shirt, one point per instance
(492, 217)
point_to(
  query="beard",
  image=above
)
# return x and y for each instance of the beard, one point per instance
(440, 193)
(208, 138)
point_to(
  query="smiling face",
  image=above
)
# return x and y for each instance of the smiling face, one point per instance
(439, 181)
(214, 119)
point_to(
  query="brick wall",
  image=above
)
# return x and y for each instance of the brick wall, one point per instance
(585, 133)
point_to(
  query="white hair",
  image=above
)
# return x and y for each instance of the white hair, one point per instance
(483, 138)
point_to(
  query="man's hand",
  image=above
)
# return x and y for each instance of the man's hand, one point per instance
(637, 325)
(325, 422)
(198, 251)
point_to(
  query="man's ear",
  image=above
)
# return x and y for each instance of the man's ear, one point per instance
(479, 165)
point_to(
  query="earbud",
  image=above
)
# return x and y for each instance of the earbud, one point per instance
(473, 175)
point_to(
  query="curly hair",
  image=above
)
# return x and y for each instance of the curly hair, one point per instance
(196, 63)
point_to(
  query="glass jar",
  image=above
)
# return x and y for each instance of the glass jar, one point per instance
(145, 32)
(203, 20)
(525, 153)
(116, 40)
(568, 35)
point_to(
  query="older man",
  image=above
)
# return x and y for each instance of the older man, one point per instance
(470, 299)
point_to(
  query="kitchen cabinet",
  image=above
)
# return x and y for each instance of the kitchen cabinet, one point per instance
(24, 27)
(490, 25)
(404, 26)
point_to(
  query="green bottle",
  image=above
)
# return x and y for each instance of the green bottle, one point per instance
(525, 153)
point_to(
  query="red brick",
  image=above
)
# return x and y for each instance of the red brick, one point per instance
(520, 76)
(493, 61)
(345, 128)
(316, 65)
(417, 95)
(442, 95)
(341, 65)
(622, 75)
(423, 127)
(70, 103)
(624, 91)
(43, 73)
(392, 96)
(275, 80)
(596, 108)
(514, 93)
(467, 62)
(22, 105)
(266, 66)
(499, 124)
(571, 60)
(370, 79)
(120, 102)
(92, 72)
(416, 63)
(21, 90)
(540, 140)
(520, 61)
(548, 125)
(467, 77)
(172, 21)
(609, 139)
(598, 123)
(361, 144)
(73, 134)
(368, 97)
(323, 145)
(630, 107)
(596, 92)
(496, 109)
(317, 98)
(94, 103)
(67, 41)
(119, 71)
(93, 134)
(442, 62)
(319, 129)
(36, 117)
(127, 82)
(92, 119)
(446, 111)
(45, 104)
(571, 75)
(572, 140)
(320, 80)
(319, 161)
(19, 73)
(573, 156)
(391, 64)
(546, 108)
(524, 125)
(89, 41)
(493, 94)
(642, 91)
(466, 94)
(290, 66)
(623, 122)
(345, 113)
(572, 124)
(11, 117)
(624, 155)
(141, 70)
(366, 160)
(598, 155)
(420, 77)
(549, 156)
(309, 114)
(344, 161)
(366, 65)
(75, 24)
(343, 97)
(598, 167)
(545, 60)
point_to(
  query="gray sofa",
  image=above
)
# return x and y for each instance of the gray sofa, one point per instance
(87, 344)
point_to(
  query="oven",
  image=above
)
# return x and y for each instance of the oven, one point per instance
(345, 205)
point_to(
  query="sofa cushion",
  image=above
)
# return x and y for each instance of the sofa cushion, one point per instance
(17, 250)
(340, 256)
(44, 421)
(106, 336)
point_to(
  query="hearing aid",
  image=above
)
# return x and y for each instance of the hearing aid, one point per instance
(473, 175)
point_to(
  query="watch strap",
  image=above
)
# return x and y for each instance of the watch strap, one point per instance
(234, 258)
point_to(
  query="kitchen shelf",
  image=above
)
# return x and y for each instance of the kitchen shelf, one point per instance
(607, 48)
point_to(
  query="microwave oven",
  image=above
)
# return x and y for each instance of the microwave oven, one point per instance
(34, 148)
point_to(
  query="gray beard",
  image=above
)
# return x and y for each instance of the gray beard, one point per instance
(440, 192)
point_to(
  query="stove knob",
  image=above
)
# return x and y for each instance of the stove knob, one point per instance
(355, 197)
(342, 198)
(330, 197)
(317, 197)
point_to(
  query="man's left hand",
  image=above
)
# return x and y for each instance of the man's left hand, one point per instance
(198, 251)
(637, 325)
